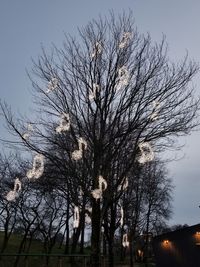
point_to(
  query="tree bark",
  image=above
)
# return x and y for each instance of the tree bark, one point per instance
(111, 234)
(147, 238)
(82, 237)
(95, 238)
(82, 225)
(67, 229)
(131, 250)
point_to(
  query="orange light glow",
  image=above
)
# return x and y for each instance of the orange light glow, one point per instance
(167, 245)
(197, 238)
(166, 242)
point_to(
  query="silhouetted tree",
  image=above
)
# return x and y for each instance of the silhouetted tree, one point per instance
(118, 90)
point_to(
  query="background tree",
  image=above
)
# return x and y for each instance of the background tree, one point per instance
(10, 168)
(157, 199)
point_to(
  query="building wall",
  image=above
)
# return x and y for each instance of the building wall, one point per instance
(178, 249)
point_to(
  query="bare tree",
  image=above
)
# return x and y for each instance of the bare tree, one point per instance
(157, 198)
(116, 90)
(9, 169)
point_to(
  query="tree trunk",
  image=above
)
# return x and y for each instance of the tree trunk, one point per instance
(95, 238)
(5, 242)
(111, 234)
(20, 250)
(111, 253)
(131, 250)
(122, 254)
(75, 239)
(67, 229)
(104, 245)
(82, 226)
(147, 239)
(7, 231)
(82, 237)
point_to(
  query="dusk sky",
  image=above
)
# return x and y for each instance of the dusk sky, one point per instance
(25, 25)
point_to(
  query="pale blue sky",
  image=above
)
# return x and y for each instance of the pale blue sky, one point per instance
(25, 24)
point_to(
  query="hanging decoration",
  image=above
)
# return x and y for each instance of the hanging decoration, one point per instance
(102, 183)
(97, 193)
(156, 107)
(52, 85)
(97, 50)
(29, 130)
(76, 218)
(147, 153)
(38, 167)
(13, 193)
(93, 91)
(123, 78)
(125, 242)
(64, 123)
(125, 39)
(82, 145)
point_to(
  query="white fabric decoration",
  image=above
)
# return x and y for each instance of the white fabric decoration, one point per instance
(82, 145)
(93, 91)
(123, 75)
(76, 218)
(29, 130)
(52, 85)
(30, 127)
(156, 107)
(64, 123)
(125, 242)
(147, 153)
(13, 193)
(97, 193)
(38, 167)
(97, 50)
(102, 183)
(125, 39)
(77, 154)
(26, 136)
